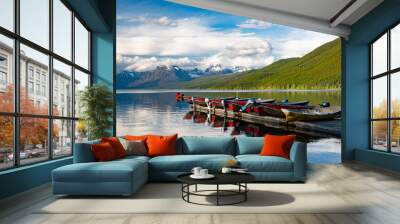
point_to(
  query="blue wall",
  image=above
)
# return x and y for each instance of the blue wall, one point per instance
(355, 131)
(103, 64)
(99, 15)
(24, 178)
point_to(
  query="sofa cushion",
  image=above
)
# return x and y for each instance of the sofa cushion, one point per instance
(277, 145)
(134, 147)
(249, 145)
(136, 137)
(197, 145)
(103, 152)
(131, 158)
(257, 163)
(185, 163)
(83, 152)
(161, 145)
(112, 171)
(116, 145)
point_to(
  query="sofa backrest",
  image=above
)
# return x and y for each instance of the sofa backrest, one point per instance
(83, 152)
(192, 145)
(249, 145)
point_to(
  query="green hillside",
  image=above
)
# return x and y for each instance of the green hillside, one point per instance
(319, 69)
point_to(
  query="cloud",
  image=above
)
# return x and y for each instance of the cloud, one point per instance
(161, 21)
(137, 63)
(298, 42)
(254, 24)
(252, 55)
(145, 43)
(189, 42)
(190, 37)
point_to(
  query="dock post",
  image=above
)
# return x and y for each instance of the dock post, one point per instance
(207, 101)
(194, 105)
(224, 107)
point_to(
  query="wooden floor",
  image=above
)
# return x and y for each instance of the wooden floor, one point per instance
(379, 189)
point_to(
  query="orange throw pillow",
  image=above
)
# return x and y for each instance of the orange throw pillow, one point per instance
(103, 152)
(161, 145)
(275, 145)
(116, 145)
(136, 137)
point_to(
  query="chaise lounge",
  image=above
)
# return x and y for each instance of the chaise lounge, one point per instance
(125, 176)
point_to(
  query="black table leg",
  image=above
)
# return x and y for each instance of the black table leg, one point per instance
(188, 190)
(245, 193)
(217, 194)
(195, 188)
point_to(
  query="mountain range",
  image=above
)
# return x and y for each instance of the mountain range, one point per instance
(318, 69)
(163, 76)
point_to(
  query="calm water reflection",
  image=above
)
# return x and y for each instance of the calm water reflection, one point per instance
(158, 112)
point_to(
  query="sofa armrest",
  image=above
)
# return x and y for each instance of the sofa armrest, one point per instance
(298, 155)
(83, 152)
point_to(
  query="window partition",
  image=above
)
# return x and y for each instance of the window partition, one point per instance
(40, 80)
(385, 91)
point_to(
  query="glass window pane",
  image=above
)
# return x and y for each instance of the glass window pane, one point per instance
(33, 140)
(62, 29)
(379, 98)
(81, 45)
(7, 14)
(395, 95)
(62, 138)
(62, 89)
(379, 56)
(81, 82)
(395, 47)
(379, 135)
(6, 74)
(34, 97)
(395, 136)
(6, 142)
(81, 131)
(35, 21)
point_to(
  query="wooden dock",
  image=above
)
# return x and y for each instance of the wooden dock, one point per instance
(327, 128)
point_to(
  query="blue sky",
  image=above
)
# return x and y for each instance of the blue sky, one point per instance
(155, 32)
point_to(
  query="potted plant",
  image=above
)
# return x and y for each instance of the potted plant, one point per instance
(96, 102)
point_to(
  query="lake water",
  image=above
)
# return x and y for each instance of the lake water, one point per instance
(144, 112)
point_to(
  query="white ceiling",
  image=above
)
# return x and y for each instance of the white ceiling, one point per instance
(325, 16)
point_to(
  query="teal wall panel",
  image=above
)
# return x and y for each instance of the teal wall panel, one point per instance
(24, 178)
(103, 64)
(356, 126)
(379, 159)
(103, 59)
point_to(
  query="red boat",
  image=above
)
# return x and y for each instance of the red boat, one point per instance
(274, 110)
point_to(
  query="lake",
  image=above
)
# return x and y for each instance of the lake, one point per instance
(156, 111)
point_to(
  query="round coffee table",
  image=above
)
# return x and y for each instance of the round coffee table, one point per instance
(238, 179)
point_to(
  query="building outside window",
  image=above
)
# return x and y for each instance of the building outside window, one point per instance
(3, 61)
(3, 78)
(44, 91)
(44, 77)
(34, 75)
(385, 92)
(38, 89)
(30, 72)
(30, 87)
(3, 71)
(37, 74)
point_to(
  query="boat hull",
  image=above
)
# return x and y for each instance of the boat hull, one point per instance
(311, 115)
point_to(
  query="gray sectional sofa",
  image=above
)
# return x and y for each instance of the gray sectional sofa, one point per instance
(125, 176)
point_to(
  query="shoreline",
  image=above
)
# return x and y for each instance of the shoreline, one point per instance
(125, 91)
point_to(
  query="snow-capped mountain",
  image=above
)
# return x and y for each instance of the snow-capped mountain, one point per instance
(169, 74)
